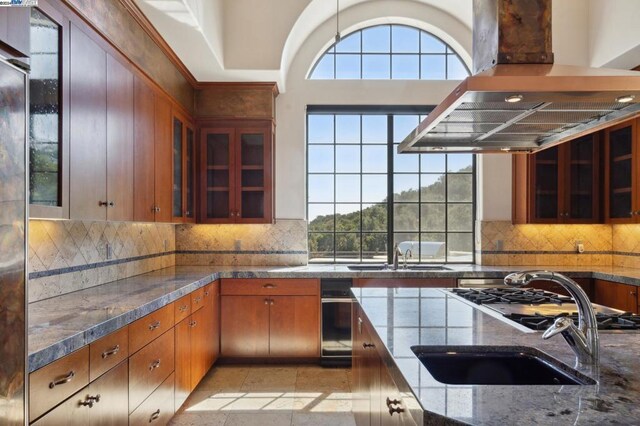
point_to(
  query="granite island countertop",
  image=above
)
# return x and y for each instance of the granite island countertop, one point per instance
(63, 324)
(406, 317)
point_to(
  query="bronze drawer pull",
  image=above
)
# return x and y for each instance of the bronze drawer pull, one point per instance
(90, 400)
(206, 293)
(197, 299)
(154, 325)
(111, 351)
(269, 286)
(368, 345)
(193, 323)
(62, 380)
(155, 415)
(266, 301)
(183, 308)
(155, 364)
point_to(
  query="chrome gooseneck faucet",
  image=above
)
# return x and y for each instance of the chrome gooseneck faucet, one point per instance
(583, 339)
(396, 255)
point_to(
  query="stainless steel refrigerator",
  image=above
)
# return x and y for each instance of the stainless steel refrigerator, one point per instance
(13, 211)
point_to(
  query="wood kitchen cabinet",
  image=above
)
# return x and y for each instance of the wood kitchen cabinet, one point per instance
(144, 170)
(559, 184)
(376, 397)
(617, 295)
(102, 403)
(621, 180)
(183, 167)
(163, 185)
(101, 133)
(236, 172)
(270, 318)
(196, 340)
(585, 283)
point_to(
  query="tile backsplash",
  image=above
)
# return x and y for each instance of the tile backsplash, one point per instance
(70, 255)
(502, 243)
(282, 243)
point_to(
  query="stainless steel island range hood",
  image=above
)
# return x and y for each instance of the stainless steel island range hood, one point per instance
(518, 99)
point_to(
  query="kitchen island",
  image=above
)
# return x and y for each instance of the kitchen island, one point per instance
(393, 320)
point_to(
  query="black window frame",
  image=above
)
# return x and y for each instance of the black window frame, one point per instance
(390, 111)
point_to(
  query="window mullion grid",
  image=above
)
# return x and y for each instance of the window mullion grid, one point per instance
(446, 208)
(361, 188)
(390, 171)
(335, 178)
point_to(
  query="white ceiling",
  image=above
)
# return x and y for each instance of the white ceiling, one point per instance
(256, 40)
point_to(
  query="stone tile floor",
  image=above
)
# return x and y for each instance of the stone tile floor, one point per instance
(306, 395)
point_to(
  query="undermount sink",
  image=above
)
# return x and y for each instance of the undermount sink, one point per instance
(379, 267)
(477, 365)
(367, 267)
(428, 268)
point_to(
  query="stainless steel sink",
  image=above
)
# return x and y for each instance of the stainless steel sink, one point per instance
(428, 268)
(496, 365)
(365, 267)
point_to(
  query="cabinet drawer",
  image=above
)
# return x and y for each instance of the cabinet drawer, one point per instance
(149, 367)
(182, 308)
(149, 327)
(207, 291)
(158, 408)
(260, 286)
(57, 381)
(197, 299)
(69, 413)
(107, 352)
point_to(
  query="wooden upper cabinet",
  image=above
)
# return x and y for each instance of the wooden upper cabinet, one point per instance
(183, 169)
(88, 128)
(120, 155)
(163, 159)
(236, 172)
(621, 180)
(559, 184)
(143, 157)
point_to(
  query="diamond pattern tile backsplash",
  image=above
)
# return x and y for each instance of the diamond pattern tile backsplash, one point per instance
(70, 255)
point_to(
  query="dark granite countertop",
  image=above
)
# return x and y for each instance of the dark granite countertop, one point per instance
(406, 317)
(62, 324)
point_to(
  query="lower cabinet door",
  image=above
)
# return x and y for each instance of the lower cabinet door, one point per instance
(69, 413)
(158, 408)
(199, 343)
(390, 401)
(183, 361)
(294, 326)
(110, 397)
(244, 326)
(212, 322)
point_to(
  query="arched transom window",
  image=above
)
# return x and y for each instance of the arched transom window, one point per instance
(390, 52)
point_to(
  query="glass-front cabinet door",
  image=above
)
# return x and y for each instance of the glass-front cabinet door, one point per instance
(217, 177)
(582, 180)
(620, 179)
(546, 185)
(190, 172)
(178, 146)
(253, 153)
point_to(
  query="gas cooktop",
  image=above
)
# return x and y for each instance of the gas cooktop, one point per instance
(537, 309)
(528, 296)
(620, 321)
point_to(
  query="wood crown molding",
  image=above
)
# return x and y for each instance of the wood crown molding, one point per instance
(254, 85)
(152, 32)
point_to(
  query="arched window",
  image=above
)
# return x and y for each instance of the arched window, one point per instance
(390, 52)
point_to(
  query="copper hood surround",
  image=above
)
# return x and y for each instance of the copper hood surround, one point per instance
(518, 99)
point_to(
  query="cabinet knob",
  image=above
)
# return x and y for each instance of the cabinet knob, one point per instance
(90, 400)
(112, 203)
(368, 345)
(154, 325)
(193, 323)
(392, 402)
(393, 410)
(155, 415)
(103, 203)
(155, 209)
(266, 301)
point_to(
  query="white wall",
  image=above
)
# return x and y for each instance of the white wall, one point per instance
(291, 105)
(614, 39)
